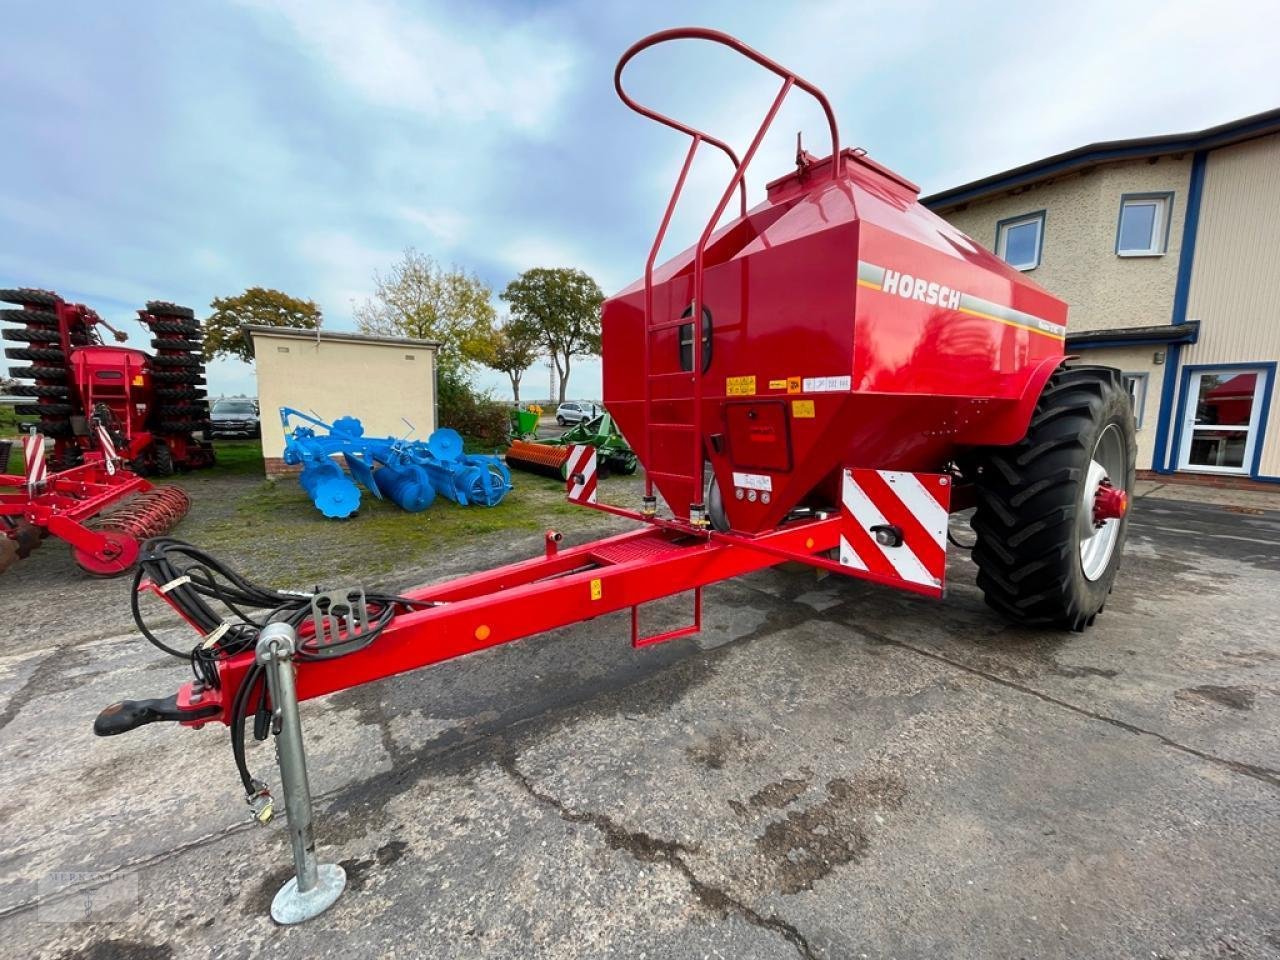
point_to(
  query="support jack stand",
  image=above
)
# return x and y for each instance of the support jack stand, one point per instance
(316, 886)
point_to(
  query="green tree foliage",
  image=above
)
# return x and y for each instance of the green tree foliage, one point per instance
(563, 305)
(257, 305)
(476, 416)
(513, 348)
(418, 298)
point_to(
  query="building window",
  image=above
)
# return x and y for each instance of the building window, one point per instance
(1136, 384)
(1222, 411)
(1019, 240)
(1144, 225)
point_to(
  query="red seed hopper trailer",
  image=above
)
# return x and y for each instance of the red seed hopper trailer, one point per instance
(857, 369)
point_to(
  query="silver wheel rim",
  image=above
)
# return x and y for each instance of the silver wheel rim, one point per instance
(1107, 464)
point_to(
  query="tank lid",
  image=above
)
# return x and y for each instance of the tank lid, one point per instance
(857, 165)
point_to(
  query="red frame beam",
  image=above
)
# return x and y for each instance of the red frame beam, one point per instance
(533, 596)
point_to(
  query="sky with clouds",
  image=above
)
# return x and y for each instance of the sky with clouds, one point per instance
(182, 151)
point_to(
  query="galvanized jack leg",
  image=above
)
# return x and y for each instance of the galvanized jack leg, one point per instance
(317, 885)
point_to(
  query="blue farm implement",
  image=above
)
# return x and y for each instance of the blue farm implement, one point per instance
(408, 473)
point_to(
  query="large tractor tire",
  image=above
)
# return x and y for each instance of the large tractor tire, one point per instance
(1053, 509)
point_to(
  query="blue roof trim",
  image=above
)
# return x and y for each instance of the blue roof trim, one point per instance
(1164, 458)
(1190, 227)
(1096, 153)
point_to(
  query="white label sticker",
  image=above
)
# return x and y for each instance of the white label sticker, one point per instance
(825, 384)
(753, 481)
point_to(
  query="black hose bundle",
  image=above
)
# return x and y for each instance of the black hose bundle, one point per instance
(194, 581)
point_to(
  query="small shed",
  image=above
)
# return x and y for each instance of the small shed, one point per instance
(383, 381)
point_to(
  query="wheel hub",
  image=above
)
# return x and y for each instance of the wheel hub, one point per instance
(1103, 504)
(1109, 503)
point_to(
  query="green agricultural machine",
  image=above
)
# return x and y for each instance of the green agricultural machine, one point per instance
(549, 457)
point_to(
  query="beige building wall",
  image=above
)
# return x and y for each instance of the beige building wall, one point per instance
(1078, 260)
(1236, 271)
(378, 382)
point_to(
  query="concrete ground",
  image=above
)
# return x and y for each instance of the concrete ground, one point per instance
(829, 770)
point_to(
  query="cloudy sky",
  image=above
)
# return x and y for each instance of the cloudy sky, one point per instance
(188, 150)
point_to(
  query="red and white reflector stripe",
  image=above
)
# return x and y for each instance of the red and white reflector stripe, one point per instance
(580, 482)
(33, 454)
(109, 454)
(909, 512)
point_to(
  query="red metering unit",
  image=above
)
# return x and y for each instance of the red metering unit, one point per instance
(857, 370)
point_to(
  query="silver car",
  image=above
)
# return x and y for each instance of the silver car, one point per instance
(575, 411)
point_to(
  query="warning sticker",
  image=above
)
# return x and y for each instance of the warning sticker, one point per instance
(740, 386)
(597, 589)
(793, 384)
(826, 384)
(802, 409)
(777, 384)
(753, 481)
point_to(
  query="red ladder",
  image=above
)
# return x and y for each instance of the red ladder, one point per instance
(697, 509)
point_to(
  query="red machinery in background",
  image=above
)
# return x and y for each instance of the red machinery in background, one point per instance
(153, 405)
(857, 369)
(114, 413)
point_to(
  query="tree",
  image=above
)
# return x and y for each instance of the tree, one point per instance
(418, 298)
(563, 305)
(258, 305)
(513, 349)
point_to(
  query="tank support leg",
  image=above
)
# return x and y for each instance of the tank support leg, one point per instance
(317, 885)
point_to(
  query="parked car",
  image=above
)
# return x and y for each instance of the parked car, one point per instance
(575, 411)
(235, 418)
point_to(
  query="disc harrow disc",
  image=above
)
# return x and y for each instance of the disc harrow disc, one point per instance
(31, 334)
(31, 318)
(175, 343)
(27, 296)
(8, 552)
(55, 374)
(37, 354)
(163, 308)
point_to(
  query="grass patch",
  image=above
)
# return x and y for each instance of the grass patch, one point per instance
(236, 458)
(271, 530)
(9, 431)
(379, 538)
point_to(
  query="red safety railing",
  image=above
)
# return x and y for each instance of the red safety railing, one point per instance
(737, 182)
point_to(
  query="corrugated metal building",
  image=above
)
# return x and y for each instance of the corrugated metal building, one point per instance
(1167, 250)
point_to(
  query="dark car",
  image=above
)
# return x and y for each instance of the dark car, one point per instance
(235, 418)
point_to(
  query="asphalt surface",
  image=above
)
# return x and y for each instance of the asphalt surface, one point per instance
(829, 770)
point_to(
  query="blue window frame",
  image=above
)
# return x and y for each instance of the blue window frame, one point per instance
(1020, 240)
(1143, 227)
